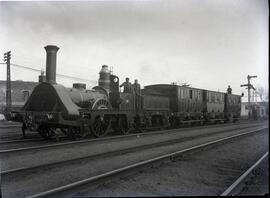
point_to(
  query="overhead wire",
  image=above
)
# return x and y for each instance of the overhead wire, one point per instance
(60, 75)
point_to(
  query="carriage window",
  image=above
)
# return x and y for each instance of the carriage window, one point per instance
(218, 100)
(182, 93)
(190, 94)
(212, 98)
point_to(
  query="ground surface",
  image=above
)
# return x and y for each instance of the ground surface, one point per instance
(206, 172)
(188, 176)
(258, 181)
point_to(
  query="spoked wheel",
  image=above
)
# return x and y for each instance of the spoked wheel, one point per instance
(45, 132)
(101, 126)
(123, 126)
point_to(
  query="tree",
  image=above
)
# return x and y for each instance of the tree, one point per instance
(263, 93)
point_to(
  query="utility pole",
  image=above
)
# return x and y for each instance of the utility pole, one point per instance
(8, 82)
(249, 87)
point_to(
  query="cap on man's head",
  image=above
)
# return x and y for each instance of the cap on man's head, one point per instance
(127, 78)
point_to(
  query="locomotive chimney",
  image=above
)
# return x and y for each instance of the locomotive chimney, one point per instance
(51, 63)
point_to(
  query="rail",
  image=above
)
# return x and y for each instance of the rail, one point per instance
(232, 187)
(138, 165)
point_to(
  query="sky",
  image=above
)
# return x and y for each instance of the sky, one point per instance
(208, 44)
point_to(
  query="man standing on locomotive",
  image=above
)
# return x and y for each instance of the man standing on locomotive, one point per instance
(137, 90)
(127, 86)
(137, 87)
(229, 90)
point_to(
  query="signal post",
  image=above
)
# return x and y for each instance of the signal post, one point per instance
(249, 87)
(8, 82)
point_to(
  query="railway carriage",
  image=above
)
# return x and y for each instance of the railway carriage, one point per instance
(232, 107)
(213, 105)
(186, 103)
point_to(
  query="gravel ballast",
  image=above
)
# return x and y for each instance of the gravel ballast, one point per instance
(205, 172)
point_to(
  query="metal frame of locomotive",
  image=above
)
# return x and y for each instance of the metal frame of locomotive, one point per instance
(79, 112)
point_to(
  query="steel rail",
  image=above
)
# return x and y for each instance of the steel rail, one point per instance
(10, 126)
(22, 141)
(115, 137)
(136, 165)
(113, 152)
(230, 189)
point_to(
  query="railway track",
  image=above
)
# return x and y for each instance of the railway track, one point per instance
(9, 135)
(12, 173)
(230, 191)
(120, 172)
(20, 141)
(9, 124)
(10, 145)
(111, 153)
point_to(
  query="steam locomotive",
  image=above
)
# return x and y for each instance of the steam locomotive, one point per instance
(77, 111)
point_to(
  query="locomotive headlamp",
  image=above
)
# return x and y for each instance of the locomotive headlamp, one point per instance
(115, 80)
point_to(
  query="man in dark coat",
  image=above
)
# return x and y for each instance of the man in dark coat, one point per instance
(137, 87)
(229, 90)
(137, 90)
(127, 86)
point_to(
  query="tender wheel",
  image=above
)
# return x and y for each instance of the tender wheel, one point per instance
(101, 125)
(45, 132)
(123, 126)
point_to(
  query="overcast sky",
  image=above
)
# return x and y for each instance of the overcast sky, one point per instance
(207, 43)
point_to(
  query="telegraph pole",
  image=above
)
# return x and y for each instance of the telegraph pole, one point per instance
(8, 82)
(249, 87)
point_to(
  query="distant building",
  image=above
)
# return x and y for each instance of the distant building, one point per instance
(20, 92)
(260, 109)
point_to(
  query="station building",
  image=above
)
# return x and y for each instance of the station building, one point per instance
(259, 110)
(20, 92)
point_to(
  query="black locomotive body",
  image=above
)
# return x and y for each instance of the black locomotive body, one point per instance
(53, 108)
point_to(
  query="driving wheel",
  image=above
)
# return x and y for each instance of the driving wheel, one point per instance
(101, 125)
